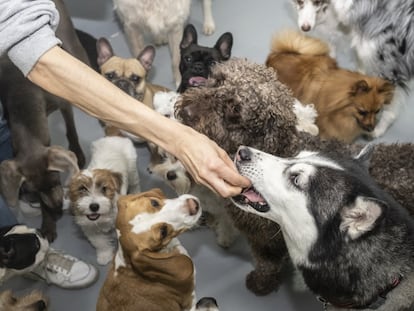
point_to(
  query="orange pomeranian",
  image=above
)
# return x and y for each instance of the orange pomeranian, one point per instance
(347, 102)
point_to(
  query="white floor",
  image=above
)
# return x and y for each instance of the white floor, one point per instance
(220, 273)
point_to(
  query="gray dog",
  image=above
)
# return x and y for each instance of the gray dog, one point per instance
(355, 243)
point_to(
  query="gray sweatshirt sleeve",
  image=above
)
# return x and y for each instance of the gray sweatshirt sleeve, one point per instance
(27, 30)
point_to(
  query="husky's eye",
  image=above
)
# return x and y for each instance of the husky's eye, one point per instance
(296, 180)
(135, 78)
(155, 203)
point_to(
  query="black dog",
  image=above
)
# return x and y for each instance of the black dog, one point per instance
(196, 60)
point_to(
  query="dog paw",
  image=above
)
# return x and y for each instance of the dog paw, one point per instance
(209, 28)
(104, 257)
(261, 284)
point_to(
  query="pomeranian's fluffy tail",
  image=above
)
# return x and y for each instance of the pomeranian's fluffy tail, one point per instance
(291, 41)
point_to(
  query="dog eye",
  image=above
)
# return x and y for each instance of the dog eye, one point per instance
(110, 75)
(363, 113)
(155, 203)
(188, 59)
(300, 2)
(317, 2)
(103, 189)
(82, 189)
(135, 78)
(295, 180)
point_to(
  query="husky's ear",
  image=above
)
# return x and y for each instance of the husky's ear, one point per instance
(364, 156)
(360, 217)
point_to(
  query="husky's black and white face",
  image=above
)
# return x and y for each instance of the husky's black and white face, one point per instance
(310, 13)
(305, 195)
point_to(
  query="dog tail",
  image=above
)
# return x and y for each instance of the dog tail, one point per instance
(294, 42)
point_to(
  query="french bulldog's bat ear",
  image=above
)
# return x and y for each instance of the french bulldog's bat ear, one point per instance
(361, 216)
(189, 36)
(104, 49)
(146, 57)
(224, 45)
(10, 181)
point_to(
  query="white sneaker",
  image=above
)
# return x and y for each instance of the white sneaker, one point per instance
(64, 271)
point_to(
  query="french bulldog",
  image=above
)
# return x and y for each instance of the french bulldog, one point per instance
(129, 74)
(196, 60)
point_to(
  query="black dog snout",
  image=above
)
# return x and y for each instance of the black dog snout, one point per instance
(244, 154)
(171, 175)
(94, 207)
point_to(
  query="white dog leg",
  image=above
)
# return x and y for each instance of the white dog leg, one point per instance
(209, 26)
(174, 39)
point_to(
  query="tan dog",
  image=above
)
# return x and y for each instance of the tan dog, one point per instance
(130, 75)
(151, 270)
(35, 301)
(347, 102)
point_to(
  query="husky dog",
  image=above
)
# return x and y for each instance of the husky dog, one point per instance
(355, 246)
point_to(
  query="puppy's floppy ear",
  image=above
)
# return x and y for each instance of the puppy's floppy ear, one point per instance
(361, 216)
(189, 36)
(361, 86)
(104, 50)
(146, 57)
(62, 160)
(10, 181)
(224, 45)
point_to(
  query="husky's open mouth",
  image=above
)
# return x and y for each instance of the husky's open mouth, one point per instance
(250, 196)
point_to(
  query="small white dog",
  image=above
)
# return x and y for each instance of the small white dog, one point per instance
(93, 192)
(318, 18)
(164, 20)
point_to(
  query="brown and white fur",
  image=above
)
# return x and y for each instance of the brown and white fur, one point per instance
(151, 270)
(93, 192)
(34, 301)
(164, 20)
(348, 103)
(130, 75)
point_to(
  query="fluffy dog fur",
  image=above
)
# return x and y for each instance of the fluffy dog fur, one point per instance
(152, 270)
(355, 244)
(93, 192)
(162, 19)
(34, 301)
(347, 102)
(382, 36)
(243, 103)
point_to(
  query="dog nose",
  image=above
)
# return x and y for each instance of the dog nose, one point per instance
(94, 207)
(171, 175)
(305, 27)
(193, 206)
(198, 68)
(244, 154)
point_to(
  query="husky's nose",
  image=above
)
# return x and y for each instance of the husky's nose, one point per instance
(244, 154)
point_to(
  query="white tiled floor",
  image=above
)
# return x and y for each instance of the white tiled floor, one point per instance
(220, 273)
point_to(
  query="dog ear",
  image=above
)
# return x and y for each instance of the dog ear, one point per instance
(163, 267)
(62, 160)
(118, 180)
(189, 36)
(361, 217)
(359, 87)
(364, 156)
(146, 57)
(10, 181)
(224, 45)
(104, 49)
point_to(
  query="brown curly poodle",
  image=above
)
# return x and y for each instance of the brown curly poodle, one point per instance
(243, 103)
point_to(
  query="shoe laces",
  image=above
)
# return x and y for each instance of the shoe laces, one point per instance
(58, 262)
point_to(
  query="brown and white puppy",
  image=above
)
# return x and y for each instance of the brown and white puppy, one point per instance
(348, 103)
(151, 269)
(130, 75)
(164, 20)
(93, 192)
(34, 301)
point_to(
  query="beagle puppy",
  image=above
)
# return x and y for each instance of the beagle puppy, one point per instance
(151, 270)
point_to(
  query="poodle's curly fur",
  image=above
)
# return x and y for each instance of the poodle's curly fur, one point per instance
(243, 103)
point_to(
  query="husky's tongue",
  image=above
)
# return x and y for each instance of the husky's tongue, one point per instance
(253, 196)
(197, 81)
